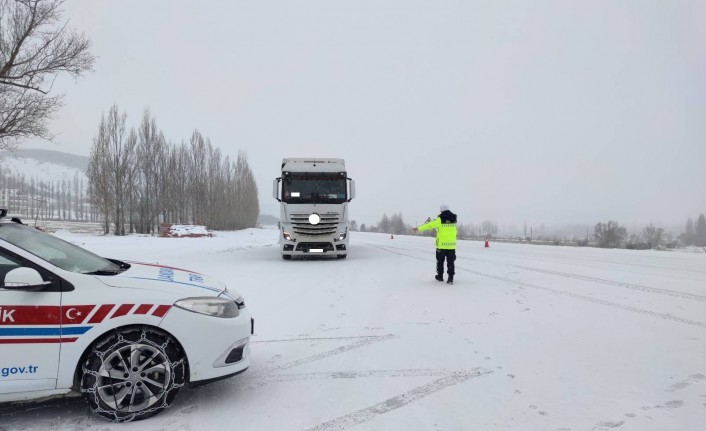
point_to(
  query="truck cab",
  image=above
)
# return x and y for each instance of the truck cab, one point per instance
(314, 195)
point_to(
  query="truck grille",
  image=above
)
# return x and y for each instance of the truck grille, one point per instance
(326, 227)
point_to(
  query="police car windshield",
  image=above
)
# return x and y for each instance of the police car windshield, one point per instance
(56, 251)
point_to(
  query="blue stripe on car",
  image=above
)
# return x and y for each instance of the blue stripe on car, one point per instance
(71, 330)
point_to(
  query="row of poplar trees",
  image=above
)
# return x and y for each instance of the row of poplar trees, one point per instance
(137, 180)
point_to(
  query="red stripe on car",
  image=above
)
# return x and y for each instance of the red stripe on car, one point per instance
(143, 309)
(161, 310)
(30, 314)
(44, 314)
(122, 310)
(75, 314)
(101, 313)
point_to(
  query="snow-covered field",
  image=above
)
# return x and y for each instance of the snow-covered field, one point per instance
(528, 338)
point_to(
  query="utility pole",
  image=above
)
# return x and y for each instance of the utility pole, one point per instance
(36, 213)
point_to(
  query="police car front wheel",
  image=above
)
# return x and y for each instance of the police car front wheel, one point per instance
(133, 373)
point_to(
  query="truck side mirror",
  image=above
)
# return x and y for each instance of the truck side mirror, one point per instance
(352, 189)
(275, 189)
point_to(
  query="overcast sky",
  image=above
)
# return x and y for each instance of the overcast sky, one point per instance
(542, 111)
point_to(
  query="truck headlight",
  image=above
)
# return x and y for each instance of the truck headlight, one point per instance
(287, 236)
(341, 237)
(210, 306)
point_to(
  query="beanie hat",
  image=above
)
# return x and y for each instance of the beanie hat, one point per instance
(443, 207)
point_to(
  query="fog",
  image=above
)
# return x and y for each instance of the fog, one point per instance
(517, 112)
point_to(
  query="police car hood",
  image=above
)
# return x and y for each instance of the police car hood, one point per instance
(165, 278)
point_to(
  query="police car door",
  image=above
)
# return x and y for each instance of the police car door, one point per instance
(30, 330)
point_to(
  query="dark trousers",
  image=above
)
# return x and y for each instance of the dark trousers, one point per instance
(450, 257)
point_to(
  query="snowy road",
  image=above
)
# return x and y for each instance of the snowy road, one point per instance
(528, 338)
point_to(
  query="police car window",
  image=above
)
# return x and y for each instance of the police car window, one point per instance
(6, 261)
(58, 252)
(7, 264)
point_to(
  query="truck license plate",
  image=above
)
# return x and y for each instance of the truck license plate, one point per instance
(316, 250)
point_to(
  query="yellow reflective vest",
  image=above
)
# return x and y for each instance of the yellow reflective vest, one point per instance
(445, 233)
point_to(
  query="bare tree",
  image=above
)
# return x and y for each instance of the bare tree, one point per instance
(111, 169)
(100, 186)
(489, 228)
(216, 200)
(385, 224)
(249, 207)
(136, 178)
(653, 235)
(150, 152)
(689, 235)
(700, 231)
(609, 235)
(122, 166)
(200, 148)
(397, 224)
(35, 47)
(176, 190)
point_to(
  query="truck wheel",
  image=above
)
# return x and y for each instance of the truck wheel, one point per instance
(287, 256)
(133, 374)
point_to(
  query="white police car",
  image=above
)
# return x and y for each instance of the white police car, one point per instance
(127, 336)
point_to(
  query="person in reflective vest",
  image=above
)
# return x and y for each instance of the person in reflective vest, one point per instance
(445, 225)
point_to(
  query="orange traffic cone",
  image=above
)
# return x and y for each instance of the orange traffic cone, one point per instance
(486, 243)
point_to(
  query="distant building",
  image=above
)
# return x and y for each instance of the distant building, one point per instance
(15, 201)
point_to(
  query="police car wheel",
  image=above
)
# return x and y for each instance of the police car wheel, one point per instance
(133, 373)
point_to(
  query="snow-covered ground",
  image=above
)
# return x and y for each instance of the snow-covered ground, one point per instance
(528, 338)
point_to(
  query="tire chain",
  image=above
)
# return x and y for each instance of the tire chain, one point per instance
(93, 391)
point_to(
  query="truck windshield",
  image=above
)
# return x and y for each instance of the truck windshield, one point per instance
(56, 251)
(314, 189)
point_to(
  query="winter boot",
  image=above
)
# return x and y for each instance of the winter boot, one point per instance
(439, 277)
(450, 280)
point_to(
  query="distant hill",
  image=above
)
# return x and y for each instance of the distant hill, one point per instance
(49, 156)
(42, 165)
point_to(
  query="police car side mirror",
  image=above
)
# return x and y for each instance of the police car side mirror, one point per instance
(24, 279)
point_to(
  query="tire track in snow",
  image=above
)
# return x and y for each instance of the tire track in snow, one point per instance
(446, 378)
(581, 261)
(665, 316)
(289, 340)
(600, 281)
(333, 375)
(631, 286)
(360, 342)
(369, 413)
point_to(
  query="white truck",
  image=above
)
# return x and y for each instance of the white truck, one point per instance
(314, 196)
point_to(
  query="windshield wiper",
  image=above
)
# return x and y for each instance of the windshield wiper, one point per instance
(104, 272)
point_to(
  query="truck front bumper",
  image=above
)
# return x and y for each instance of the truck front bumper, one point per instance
(313, 248)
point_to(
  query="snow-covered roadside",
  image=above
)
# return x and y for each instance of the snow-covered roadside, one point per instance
(529, 338)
